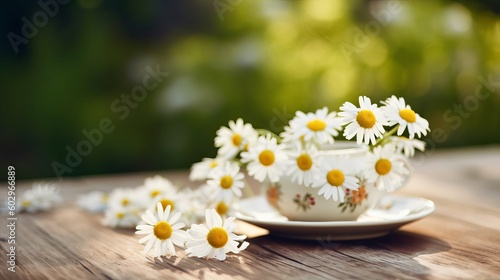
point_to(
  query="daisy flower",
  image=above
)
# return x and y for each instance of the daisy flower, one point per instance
(336, 175)
(407, 146)
(303, 164)
(226, 181)
(201, 170)
(320, 127)
(41, 197)
(266, 159)
(162, 232)
(234, 139)
(215, 239)
(126, 198)
(398, 112)
(157, 186)
(121, 217)
(366, 122)
(173, 200)
(222, 208)
(94, 201)
(385, 168)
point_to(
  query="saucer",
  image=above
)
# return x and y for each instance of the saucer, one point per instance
(392, 212)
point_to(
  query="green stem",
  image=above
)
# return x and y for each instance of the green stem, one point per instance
(385, 136)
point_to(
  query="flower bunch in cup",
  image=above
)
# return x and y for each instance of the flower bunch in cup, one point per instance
(387, 130)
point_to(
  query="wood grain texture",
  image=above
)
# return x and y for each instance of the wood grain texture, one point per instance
(460, 240)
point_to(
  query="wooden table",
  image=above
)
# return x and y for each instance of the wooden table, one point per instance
(461, 239)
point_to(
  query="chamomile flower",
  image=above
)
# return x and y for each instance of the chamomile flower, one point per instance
(173, 200)
(303, 164)
(319, 127)
(201, 170)
(121, 217)
(94, 201)
(157, 186)
(215, 239)
(398, 112)
(222, 208)
(234, 139)
(365, 122)
(226, 181)
(407, 146)
(41, 197)
(336, 175)
(266, 159)
(385, 168)
(162, 232)
(126, 198)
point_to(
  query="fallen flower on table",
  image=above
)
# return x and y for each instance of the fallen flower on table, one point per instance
(161, 211)
(94, 201)
(215, 239)
(162, 233)
(41, 197)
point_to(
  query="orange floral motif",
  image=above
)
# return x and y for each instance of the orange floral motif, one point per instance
(358, 195)
(353, 198)
(273, 194)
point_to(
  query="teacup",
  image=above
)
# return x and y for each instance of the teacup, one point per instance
(300, 203)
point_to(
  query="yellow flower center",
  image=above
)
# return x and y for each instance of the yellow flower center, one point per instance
(226, 182)
(383, 166)
(213, 164)
(104, 198)
(125, 202)
(120, 215)
(217, 237)
(335, 177)
(366, 119)
(237, 139)
(221, 208)
(26, 203)
(266, 157)
(316, 125)
(155, 193)
(408, 115)
(304, 162)
(166, 202)
(162, 230)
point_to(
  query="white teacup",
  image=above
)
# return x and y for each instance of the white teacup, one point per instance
(300, 203)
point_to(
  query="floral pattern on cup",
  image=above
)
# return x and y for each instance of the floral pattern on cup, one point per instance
(274, 194)
(353, 199)
(306, 202)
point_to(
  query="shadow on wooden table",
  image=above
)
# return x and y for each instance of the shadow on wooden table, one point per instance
(397, 254)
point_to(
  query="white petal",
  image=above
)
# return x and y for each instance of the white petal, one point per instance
(177, 226)
(159, 210)
(216, 219)
(145, 238)
(175, 218)
(170, 247)
(149, 245)
(208, 217)
(149, 218)
(144, 227)
(221, 255)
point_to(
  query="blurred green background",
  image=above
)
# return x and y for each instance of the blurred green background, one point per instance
(260, 60)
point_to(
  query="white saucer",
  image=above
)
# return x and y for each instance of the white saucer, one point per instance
(392, 212)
